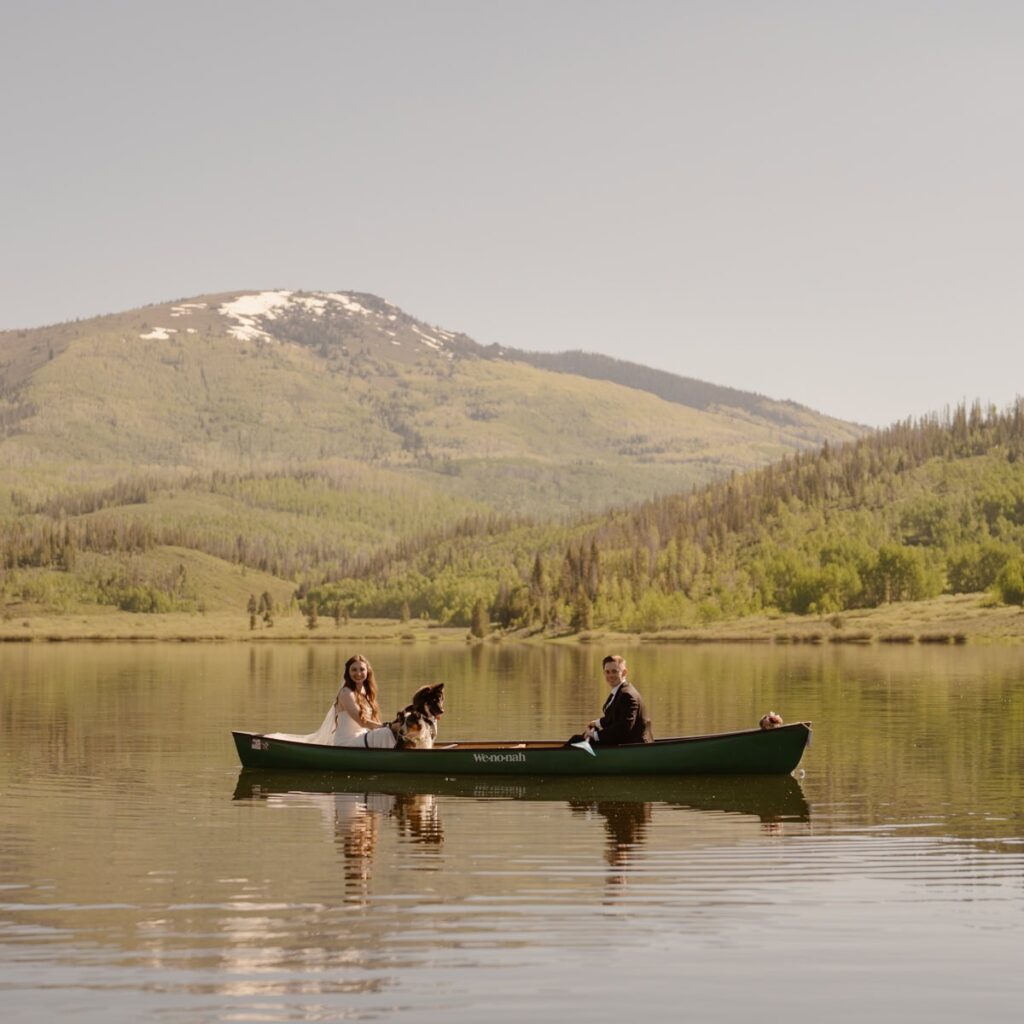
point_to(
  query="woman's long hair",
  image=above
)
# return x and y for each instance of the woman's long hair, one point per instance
(368, 694)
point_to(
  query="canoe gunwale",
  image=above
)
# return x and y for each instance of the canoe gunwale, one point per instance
(480, 746)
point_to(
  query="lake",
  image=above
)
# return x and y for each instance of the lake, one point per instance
(144, 877)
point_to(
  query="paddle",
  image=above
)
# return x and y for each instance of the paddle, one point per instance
(584, 745)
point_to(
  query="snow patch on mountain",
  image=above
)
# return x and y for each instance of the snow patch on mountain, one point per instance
(249, 314)
(247, 310)
(186, 308)
(350, 304)
(429, 340)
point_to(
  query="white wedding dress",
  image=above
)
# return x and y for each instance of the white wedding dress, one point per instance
(347, 732)
(323, 735)
(337, 728)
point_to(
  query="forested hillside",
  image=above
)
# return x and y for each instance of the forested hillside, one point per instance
(307, 436)
(682, 390)
(923, 508)
(331, 450)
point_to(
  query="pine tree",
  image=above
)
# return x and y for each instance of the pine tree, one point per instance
(479, 626)
(582, 612)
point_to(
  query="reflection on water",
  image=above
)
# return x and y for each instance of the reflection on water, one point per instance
(625, 823)
(358, 817)
(356, 808)
(144, 877)
(768, 797)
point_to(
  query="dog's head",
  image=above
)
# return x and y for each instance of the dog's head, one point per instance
(429, 700)
(771, 721)
(412, 729)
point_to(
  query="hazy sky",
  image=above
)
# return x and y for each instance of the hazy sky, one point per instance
(817, 201)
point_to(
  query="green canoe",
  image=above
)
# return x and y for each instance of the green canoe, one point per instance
(750, 752)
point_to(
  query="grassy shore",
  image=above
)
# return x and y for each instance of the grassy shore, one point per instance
(963, 618)
(966, 618)
(213, 626)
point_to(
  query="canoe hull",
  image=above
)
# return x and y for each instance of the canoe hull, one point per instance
(750, 752)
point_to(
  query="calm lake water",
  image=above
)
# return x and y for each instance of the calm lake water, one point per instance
(144, 877)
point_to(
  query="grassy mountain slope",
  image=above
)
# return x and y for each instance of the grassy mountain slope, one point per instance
(208, 384)
(306, 436)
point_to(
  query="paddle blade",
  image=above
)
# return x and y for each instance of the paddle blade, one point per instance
(584, 745)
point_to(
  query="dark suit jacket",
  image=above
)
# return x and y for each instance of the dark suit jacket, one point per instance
(624, 719)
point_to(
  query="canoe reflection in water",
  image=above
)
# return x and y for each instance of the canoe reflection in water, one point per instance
(625, 824)
(354, 811)
(773, 800)
(625, 804)
(357, 819)
(770, 797)
(356, 825)
(357, 805)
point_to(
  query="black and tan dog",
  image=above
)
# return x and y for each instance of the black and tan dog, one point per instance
(428, 702)
(415, 726)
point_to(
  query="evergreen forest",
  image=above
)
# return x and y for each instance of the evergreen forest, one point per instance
(923, 508)
(920, 509)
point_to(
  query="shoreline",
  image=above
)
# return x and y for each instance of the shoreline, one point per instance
(958, 619)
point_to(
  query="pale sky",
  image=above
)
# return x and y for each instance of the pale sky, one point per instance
(819, 201)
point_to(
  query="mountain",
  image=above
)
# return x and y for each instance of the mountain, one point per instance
(276, 380)
(306, 434)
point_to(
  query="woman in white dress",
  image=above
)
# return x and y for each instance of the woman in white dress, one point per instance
(353, 712)
(355, 706)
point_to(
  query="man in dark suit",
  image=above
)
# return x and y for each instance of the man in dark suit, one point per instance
(623, 718)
